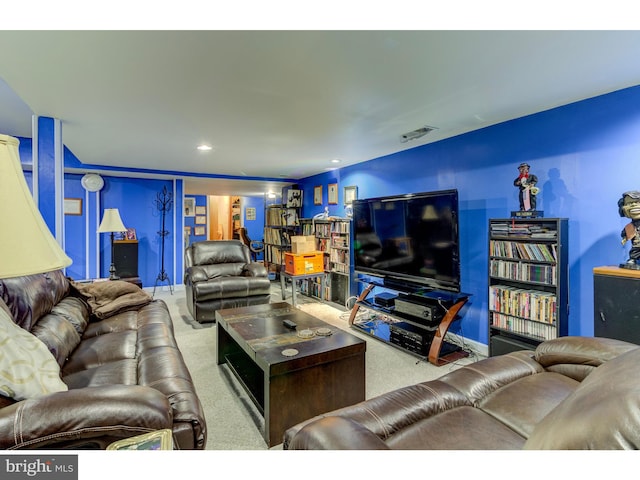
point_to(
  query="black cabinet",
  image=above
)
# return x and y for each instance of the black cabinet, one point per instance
(616, 307)
(125, 258)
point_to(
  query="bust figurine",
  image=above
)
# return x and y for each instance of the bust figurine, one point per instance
(526, 182)
(629, 206)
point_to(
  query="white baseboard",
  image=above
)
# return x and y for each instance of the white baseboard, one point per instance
(480, 349)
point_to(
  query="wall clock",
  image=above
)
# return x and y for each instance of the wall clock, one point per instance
(92, 182)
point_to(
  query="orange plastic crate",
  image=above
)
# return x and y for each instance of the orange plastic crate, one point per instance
(303, 263)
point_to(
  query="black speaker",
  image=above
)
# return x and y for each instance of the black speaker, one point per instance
(125, 257)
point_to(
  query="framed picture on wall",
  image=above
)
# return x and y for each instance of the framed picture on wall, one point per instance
(201, 210)
(198, 231)
(201, 220)
(250, 213)
(73, 206)
(294, 198)
(333, 194)
(189, 207)
(317, 195)
(350, 194)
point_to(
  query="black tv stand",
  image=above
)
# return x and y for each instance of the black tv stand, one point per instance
(419, 330)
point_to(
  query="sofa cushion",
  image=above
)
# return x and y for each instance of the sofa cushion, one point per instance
(541, 393)
(31, 297)
(27, 367)
(460, 428)
(231, 287)
(609, 398)
(61, 329)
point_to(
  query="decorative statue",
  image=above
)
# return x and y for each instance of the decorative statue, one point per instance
(526, 182)
(629, 206)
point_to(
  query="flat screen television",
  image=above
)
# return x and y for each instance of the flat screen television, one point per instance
(409, 238)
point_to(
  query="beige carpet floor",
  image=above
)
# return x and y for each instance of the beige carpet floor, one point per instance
(233, 422)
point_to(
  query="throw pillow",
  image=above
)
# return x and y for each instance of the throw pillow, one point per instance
(27, 368)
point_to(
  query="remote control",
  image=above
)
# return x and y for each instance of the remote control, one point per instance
(289, 324)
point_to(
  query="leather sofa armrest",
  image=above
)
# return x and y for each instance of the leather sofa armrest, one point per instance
(577, 357)
(335, 433)
(255, 269)
(95, 415)
(195, 274)
(592, 351)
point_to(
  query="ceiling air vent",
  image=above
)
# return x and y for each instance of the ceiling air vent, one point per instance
(420, 132)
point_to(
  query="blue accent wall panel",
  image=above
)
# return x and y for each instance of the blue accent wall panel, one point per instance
(46, 172)
(75, 231)
(585, 156)
(255, 228)
(135, 198)
(201, 201)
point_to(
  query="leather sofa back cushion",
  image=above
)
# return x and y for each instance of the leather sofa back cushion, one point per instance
(602, 414)
(62, 329)
(207, 272)
(219, 251)
(31, 297)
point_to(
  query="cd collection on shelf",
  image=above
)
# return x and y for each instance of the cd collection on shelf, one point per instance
(528, 282)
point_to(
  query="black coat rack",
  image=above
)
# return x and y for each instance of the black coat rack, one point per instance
(164, 202)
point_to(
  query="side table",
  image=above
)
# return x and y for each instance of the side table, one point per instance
(294, 278)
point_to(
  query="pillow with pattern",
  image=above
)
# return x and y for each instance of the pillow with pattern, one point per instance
(27, 368)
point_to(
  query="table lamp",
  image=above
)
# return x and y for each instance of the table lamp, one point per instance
(28, 247)
(111, 223)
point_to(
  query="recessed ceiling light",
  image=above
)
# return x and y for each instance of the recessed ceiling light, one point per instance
(335, 160)
(204, 148)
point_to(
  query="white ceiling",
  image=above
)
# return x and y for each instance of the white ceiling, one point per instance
(282, 104)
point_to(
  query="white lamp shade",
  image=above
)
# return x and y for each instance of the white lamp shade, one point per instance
(111, 221)
(26, 243)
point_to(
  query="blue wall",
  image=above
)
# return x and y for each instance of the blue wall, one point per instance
(136, 198)
(201, 201)
(585, 156)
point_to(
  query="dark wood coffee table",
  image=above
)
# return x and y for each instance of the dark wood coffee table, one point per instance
(326, 373)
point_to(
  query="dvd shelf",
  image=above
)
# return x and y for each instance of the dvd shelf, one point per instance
(528, 282)
(332, 238)
(281, 223)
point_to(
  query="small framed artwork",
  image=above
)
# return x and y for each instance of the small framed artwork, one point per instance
(187, 230)
(198, 231)
(201, 210)
(73, 206)
(131, 234)
(189, 207)
(294, 198)
(350, 194)
(250, 213)
(201, 220)
(333, 194)
(317, 195)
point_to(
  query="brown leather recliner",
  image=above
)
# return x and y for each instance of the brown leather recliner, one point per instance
(572, 393)
(220, 274)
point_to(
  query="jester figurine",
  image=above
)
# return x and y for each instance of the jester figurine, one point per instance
(526, 182)
(629, 206)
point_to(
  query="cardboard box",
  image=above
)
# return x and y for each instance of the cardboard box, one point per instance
(303, 263)
(303, 244)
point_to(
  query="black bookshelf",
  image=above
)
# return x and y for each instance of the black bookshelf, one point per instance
(528, 297)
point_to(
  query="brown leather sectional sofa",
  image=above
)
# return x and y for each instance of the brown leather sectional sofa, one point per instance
(124, 371)
(571, 393)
